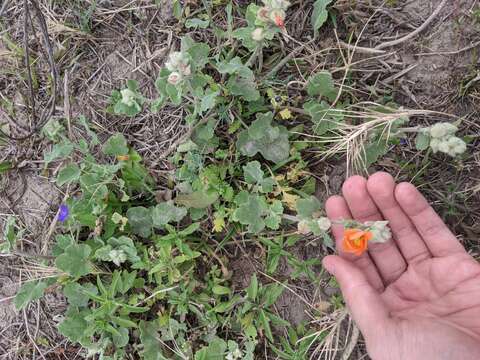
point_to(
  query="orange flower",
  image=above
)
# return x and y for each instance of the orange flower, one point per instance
(279, 21)
(355, 241)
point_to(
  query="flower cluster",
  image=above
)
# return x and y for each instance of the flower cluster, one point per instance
(443, 139)
(305, 227)
(234, 355)
(129, 97)
(380, 231)
(178, 64)
(356, 236)
(273, 12)
(117, 256)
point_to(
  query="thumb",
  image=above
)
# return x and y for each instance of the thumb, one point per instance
(367, 308)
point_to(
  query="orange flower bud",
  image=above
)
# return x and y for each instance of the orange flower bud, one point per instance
(355, 241)
(123, 157)
(279, 21)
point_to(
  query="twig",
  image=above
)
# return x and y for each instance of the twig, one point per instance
(32, 340)
(27, 255)
(179, 141)
(416, 32)
(285, 60)
(66, 104)
(4, 6)
(362, 50)
(351, 344)
(400, 74)
(50, 107)
(289, 289)
(466, 48)
(26, 48)
(155, 294)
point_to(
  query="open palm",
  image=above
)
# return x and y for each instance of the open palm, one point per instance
(416, 296)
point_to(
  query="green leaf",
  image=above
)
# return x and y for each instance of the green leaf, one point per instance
(322, 84)
(132, 85)
(250, 331)
(174, 93)
(261, 137)
(68, 174)
(157, 104)
(422, 141)
(197, 51)
(319, 14)
(252, 289)
(214, 351)
(77, 294)
(324, 118)
(149, 337)
(118, 251)
(75, 261)
(220, 290)
(5, 166)
(274, 215)
(204, 135)
(244, 87)
(198, 199)
(209, 100)
(251, 211)
(74, 326)
(29, 291)
(120, 339)
(94, 138)
(267, 185)
(373, 152)
(272, 293)
(306, 208)
(165, 213)
(10, 236)
(116, 145)
(276, 320)
(245, 36)
(251, 14)
(123, 322)
(196, 23)
(62, 242)
(61, 150)
(177, 9)
(235, 66)
(140, 220)
(265, 321)
(253, 172)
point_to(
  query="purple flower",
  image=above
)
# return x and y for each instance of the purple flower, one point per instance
(63, 213)
(403, 141)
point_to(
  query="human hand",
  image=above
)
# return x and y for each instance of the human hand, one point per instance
(416, 296)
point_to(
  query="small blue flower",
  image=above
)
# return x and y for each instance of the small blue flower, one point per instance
(63, 213)
(403, 142)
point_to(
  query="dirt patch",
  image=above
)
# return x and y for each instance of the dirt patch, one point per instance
(242, 270)
(8, 314)
(33, 199)
(445, 56)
